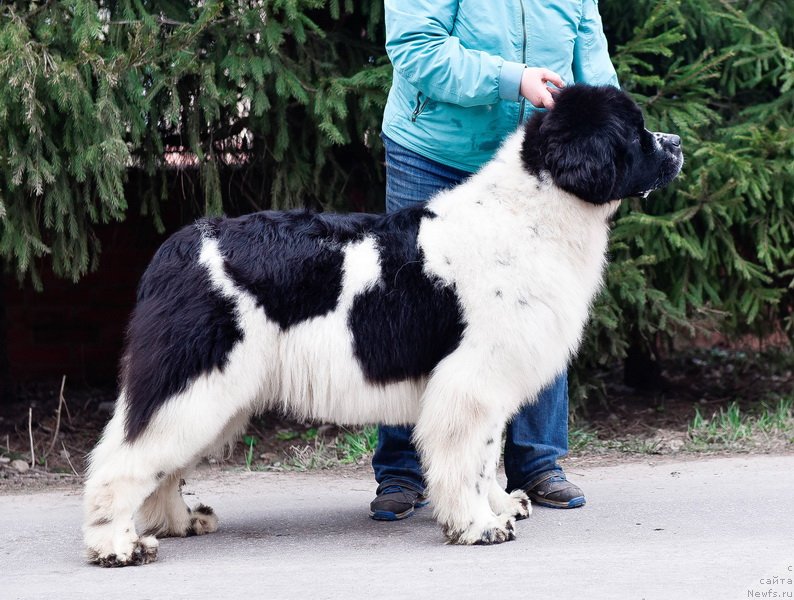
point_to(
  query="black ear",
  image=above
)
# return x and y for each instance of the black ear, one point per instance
(582, 165)
(578, 142)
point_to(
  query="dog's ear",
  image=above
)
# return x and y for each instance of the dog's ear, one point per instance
(582, 165)
(578, 141)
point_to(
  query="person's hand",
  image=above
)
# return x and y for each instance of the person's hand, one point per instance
(534, 88)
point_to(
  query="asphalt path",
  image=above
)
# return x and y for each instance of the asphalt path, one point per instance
(718, 529)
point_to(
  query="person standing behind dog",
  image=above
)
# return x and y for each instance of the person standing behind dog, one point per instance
(466, 74)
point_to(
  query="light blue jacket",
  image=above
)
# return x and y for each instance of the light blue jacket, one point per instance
(458, 66)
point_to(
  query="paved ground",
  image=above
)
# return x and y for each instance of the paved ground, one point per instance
(713, 529)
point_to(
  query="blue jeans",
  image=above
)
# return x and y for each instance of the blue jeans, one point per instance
(538, 435)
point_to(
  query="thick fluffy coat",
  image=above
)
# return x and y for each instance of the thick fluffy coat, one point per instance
(450, 315)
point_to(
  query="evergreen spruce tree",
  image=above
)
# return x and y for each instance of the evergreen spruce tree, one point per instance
(277, 103)
(278, 96)
(715, 250)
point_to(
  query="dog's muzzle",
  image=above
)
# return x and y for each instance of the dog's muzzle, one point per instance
(668, 141)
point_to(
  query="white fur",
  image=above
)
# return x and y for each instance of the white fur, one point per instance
(526, 260)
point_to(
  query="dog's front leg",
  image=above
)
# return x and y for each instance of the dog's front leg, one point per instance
(458, 435)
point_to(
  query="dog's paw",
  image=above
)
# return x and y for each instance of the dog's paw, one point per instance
(520, 507)
(202, 520)
(140, 552)
(496, 530)
(516, 504)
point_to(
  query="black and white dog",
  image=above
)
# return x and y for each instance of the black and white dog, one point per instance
(450, 315)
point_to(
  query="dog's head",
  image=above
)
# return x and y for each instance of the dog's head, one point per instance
(594, 144)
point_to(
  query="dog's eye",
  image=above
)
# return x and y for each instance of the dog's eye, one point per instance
(646, 141)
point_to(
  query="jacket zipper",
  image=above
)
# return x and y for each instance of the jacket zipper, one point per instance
(420, 106)
(523, 55)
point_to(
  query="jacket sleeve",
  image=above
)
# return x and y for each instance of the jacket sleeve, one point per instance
(423, 51)
(591, 63)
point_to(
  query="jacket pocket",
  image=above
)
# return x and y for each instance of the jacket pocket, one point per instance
(421, 104)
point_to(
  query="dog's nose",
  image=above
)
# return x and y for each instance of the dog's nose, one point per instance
(668, 140)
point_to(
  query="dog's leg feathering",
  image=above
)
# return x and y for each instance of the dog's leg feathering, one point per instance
(120, 478)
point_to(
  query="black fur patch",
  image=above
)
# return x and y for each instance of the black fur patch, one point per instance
(203, 510)
(291, 262)
(180, 328)
(409, 322)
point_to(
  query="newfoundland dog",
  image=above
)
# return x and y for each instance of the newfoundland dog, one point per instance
(450, 315)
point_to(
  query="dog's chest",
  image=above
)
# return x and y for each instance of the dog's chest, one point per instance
(519, 270)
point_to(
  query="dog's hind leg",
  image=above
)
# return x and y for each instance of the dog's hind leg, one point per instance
(197, 361)
(126, 476)
(120, 477)
(165, 513)
(458, 434)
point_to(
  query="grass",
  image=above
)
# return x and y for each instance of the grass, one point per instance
(311, 457)
(250, 441)
(348, 447)
(768, 426)
(356, 445)
(733, 427)
(581, 439)
(779, 417)
(12, 454)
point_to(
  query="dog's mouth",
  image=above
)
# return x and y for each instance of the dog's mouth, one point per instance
(669, 171)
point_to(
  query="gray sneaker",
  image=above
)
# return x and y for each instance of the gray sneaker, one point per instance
(395, 502)
(552, 489)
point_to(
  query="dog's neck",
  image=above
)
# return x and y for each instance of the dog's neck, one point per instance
(507, 172)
